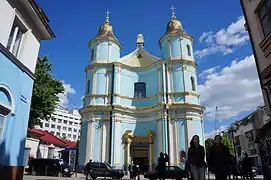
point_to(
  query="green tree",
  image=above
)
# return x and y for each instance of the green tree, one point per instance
(227, 142)
(208, 144)
(45, 91)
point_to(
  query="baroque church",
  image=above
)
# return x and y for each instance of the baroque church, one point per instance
(139, 105)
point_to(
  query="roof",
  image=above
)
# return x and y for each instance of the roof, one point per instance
(70, 144)
(49, 138)
(35, 131)
(139, 58)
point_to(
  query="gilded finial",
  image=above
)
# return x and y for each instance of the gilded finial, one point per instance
(173, 12)
(107, 16)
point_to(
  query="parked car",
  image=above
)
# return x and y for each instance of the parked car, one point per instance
(172, 172)
(100, 169)
(49, 167)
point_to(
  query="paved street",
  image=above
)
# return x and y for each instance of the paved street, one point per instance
(81, 177)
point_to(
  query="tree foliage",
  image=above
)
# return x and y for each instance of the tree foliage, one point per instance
(225, 140)
(45, 91)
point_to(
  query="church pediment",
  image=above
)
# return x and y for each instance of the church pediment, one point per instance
(139, 58)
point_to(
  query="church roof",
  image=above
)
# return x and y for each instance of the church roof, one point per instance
(139, 58)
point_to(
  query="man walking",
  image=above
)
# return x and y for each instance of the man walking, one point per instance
(161, 167)
(88, 169)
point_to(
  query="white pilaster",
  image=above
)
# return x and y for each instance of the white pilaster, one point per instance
(171, 145)
(94, 84)
(159, 136)
(109, 51)
(89, 141)
(118, 89)
(118, 143)
(106, 87)
(159, 83)
(104, 142)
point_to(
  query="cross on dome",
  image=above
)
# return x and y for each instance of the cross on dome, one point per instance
(107, 16)
(172, 10)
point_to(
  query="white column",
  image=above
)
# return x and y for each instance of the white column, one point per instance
(171, 144)
(94, 83)
(106, 98)
(164, 82)
(104, 142)
(118, 89)
(89, 141)
(159, 84)
(118, 143)
(109, 51)
(159, 136)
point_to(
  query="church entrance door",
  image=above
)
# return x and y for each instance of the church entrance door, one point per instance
(140, 155)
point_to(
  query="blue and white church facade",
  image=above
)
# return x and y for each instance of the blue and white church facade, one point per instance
(139, 105)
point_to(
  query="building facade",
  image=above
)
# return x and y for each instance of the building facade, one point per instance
(258, 23)
(64, 124)
(23, 26)
(246, 135)
(139, 105)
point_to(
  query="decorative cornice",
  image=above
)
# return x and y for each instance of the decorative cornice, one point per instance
(182, 34)
(148, 97)
(160, 61)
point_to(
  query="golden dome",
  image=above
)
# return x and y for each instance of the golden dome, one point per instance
(106, 31)
(174, 25)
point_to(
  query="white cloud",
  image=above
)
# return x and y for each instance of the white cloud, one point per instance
(63, 97)
(215, 132)
(225, 40)
(209, 71)
(234, 89)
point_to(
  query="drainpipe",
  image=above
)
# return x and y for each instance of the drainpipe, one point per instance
(166, 80)
(111, 113)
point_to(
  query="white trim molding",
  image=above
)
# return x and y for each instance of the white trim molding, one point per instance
(8, 90)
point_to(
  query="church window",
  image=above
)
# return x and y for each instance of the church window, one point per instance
(92, 54)
(188, 50)
(88, 86)
(140, 90)
(193, 83)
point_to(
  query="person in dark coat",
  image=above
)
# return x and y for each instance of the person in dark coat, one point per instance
(246, 167)
(219, 159)
(196, 156)
(131, 170)
(88, 168)
(161, 167)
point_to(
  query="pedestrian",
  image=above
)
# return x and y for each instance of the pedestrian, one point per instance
(131, 170)
(161, 167)
(136, 171)
(196, 156)
(88, 169)
(246, 167)
(219, 159)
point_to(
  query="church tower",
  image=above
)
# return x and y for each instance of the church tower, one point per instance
(105, 49)
(180, 89)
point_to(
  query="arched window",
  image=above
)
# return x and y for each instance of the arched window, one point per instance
(92, 54)
(188, 50)
(193, 83)
(88, 86)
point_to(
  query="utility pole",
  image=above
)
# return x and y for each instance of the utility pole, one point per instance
(216, 120)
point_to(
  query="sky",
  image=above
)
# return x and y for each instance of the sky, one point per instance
(227, 75)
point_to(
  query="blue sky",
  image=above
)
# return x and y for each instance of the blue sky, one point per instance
(227, 73)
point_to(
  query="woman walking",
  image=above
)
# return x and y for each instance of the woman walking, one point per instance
(196, 156)
(219, 159)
